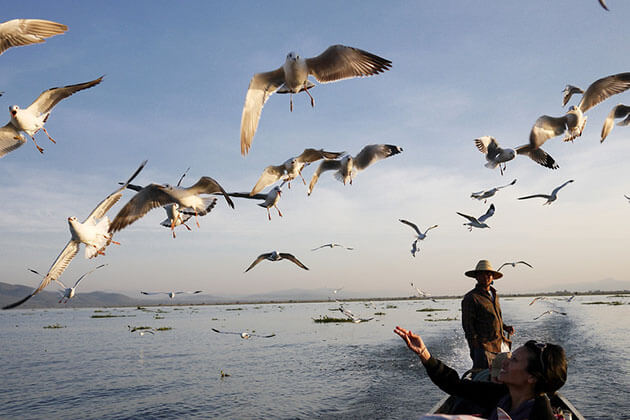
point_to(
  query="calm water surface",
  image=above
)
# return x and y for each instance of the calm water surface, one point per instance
(96, 368)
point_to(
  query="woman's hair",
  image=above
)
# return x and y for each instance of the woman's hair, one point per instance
(547, 362)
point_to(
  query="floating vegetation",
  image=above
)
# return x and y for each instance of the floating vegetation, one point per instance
(99, 310)
(233, 309)
(164, 329)
(441, 319)
(325, 319)
(133, 329)
(110, 316)
(379, 313)
(431, 309)
(179, 309)
(613, 303)
(214, 319)
(391, 307)
(54, 326)
(157, 317)
(161, 311)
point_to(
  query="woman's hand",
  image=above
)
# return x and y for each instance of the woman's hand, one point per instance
(414, 342)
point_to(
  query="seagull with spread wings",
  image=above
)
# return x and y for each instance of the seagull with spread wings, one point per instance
(420, 236)
(171, 294)
(338, 62)
(573, 122)
(332, 245)
(33, 118)
(347, 167)
(244, 335)
(156, 195)
(69, 292)
(19, 32)
(276, 256)
(479, 222)
(291, 168)
(93, 232)
(355, 319)
(549, 312)
(551, 197)
(513, 264)
(484, 195)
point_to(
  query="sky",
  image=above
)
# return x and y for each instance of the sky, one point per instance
(176, 75)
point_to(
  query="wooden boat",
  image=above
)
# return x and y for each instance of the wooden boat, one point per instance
(559, 402)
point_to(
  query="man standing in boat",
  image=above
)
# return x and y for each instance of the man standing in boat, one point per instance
(482, 319)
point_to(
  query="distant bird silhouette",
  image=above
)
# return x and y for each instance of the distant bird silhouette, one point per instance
(549, 313)
(513, 264)
(550, 198)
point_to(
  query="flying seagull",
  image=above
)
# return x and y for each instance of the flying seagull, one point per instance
(421, 293)
(513, 264)
(19, 32)
(244, 335)
(332, 245)
(336, 63)
(291, 168)
(69, 292)
(480, 221)
(549, 313)
(550, 198)
(573, 122)
(419, 235)
(33, 118)
(171, 294)
(347, 167)
(276, 256)
(484, 195)
(156, 195)
(498, 156)
(536, 299)
(355, 319)
(94, 233)
(619, 111)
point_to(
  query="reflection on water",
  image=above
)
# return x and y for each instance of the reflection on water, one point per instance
(95, 368)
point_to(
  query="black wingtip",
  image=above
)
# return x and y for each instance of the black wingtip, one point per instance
(18, 303)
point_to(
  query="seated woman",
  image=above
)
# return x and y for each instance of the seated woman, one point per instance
(534, 370)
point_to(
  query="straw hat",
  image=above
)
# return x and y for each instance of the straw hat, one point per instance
(483, 265)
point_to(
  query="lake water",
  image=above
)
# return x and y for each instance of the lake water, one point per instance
(96, 368)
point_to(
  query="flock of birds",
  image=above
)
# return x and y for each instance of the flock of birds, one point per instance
(336, 63)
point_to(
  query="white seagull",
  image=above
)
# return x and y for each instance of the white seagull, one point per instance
(549, 313)
(33, 118)
(156, 195)
(513, 264)
(336, 63)
(421, 293)
(550, 198)
(484, 195)
(276, 256)
(94, 233)
(69, 292)
(332, 245)
(19, 32)
(171, 294)
(573, 122)
(480, 221)
(355, 319)
(496, 155)
(347, 167)
(244, 335)
(419, 235)
(291, 168)
(619, 111)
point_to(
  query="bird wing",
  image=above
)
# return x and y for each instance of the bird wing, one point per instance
(488, 214)
(535, 196)
(246, 195)
(313, 155)
(502, 265)
(544, 313)
(145, 200)
(104, 206)
(524, 262)
(603, 4)
(224, 332)
(348, 313)
(373, 153)
(555, 190)
(67, 254)
(154, 293)
(472, 219)
(319, 247)
(603, 89)
(569, 90)
(261, 87)
(257, 260)
(545, 128)
(18, 32)
(270, 175)
(340, 62)
(619, 111)
(263, 336)
(88, 273)
(507, 185)
(326, 165)
(413, 226)
(538, 155)
(189, 213)
(133, 186)
(207, 185)
(10, 139)
(534, 300)
(182, 177)
(429, 228)
(485, 142)
(291, 258)
(49, 98)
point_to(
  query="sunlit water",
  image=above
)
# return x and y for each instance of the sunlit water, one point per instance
(96, 368)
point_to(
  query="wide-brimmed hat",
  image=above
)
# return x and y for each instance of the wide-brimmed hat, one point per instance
(484, 265)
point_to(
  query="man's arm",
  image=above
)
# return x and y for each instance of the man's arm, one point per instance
(469, 320)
